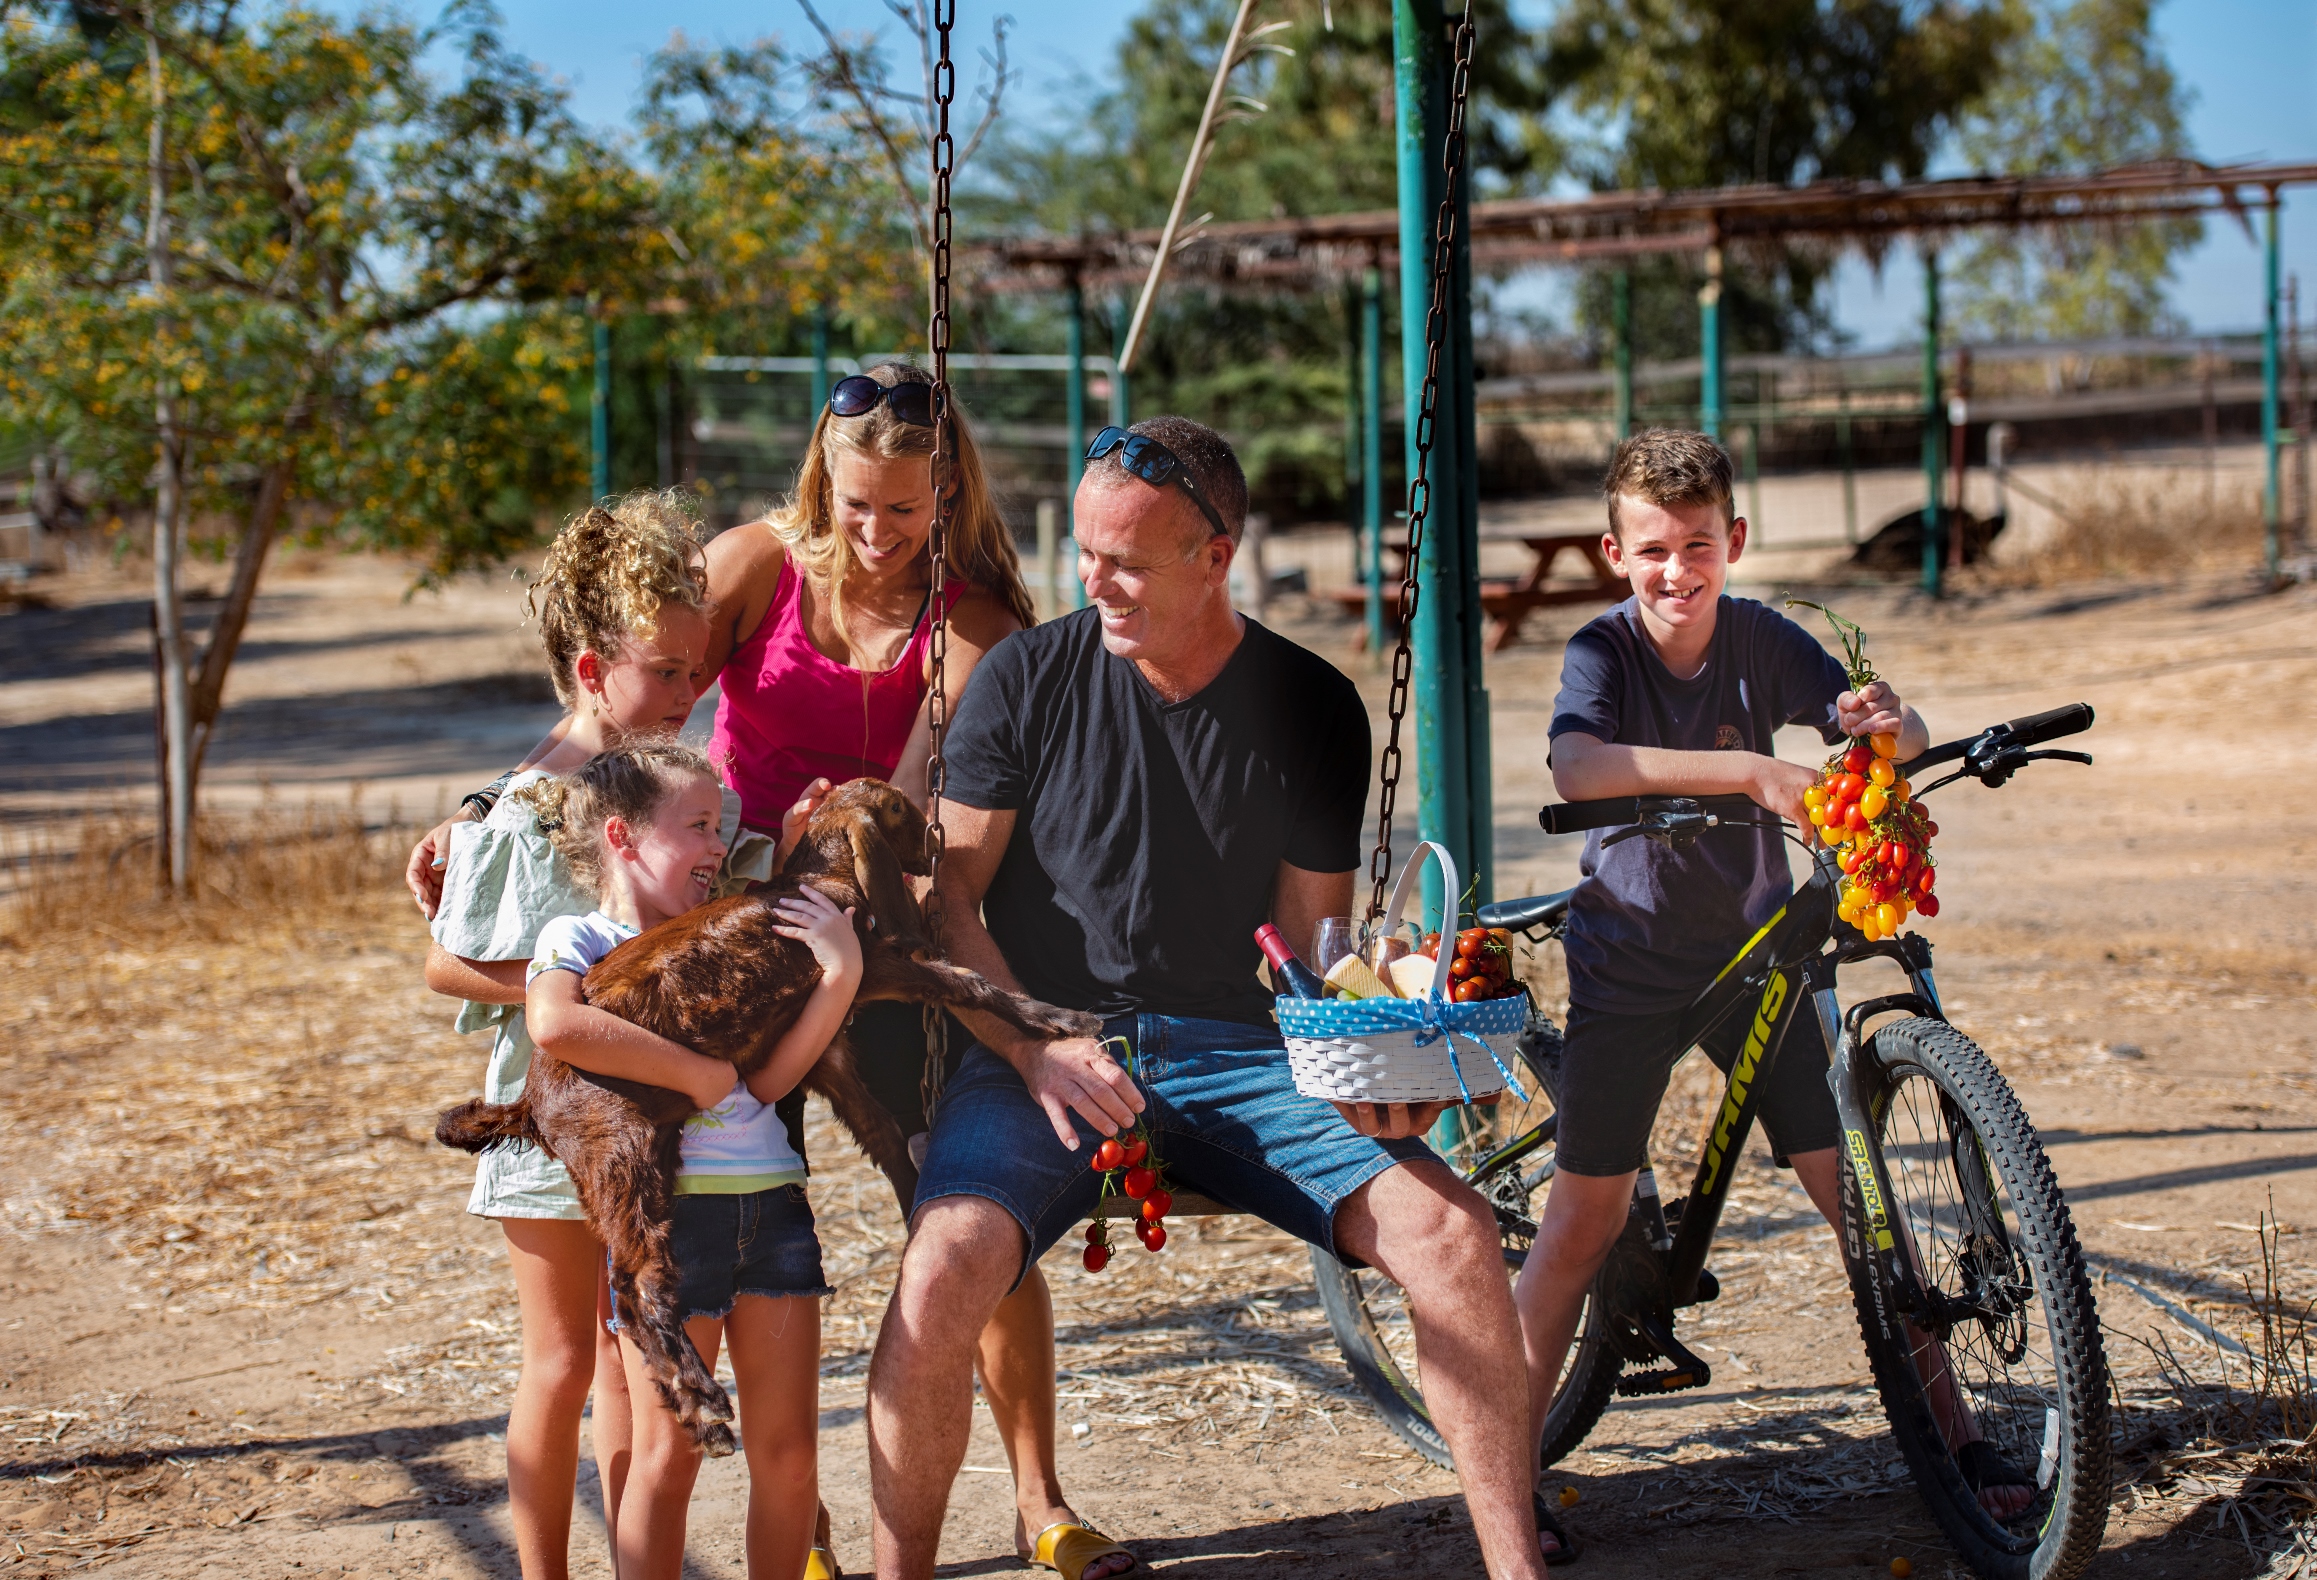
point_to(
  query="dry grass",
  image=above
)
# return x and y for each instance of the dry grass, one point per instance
(2138, 524)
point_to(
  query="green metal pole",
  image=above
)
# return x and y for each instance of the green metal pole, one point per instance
(1451, 705)
(1372, 448)
(599, 416)
(1621, 313)
(1353, 425)
(2273, 493)
(820, 359)
(1710, 346)
(1074, 384)
(1934, 425)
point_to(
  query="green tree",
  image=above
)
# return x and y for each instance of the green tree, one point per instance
(1703, 93)
(2086, 88)
(277, 254)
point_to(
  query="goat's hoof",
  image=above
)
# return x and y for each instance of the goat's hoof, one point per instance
(716, 1441)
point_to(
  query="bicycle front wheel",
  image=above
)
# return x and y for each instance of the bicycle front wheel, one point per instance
(1990, 1369)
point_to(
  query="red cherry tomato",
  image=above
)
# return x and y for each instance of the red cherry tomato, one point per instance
(1460, 968)
(1430, 946)
(1138, 1182)
(1109, 1155)
(1136, 1149)
(1469, 989)
(1926, 880)
(1156, 1238)
(1854, 819)
(1468, 946)
(1094, 1234)
(1928, 905)
(1158, 1204)
(1858, 759)
(1097, 1258)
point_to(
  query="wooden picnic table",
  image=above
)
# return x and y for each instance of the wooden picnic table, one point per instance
(1509, 601)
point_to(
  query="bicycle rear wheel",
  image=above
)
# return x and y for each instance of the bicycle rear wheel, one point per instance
(1368, 1313)
(2003, 1351)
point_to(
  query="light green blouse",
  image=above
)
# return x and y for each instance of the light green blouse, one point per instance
(502, 883)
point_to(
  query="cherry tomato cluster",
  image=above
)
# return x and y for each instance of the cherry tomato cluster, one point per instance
(1482, 967)
(1142, 1178)
(1863, 808)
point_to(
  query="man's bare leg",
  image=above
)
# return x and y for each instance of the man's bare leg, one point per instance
(1438, 1241)
(963, 1253)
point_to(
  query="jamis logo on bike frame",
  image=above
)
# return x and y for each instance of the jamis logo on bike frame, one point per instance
(1863, 1166)
(1742, 1076)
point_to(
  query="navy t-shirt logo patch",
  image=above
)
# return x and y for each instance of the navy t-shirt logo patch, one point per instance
(1727, 739)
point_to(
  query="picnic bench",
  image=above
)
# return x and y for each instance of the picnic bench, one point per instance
(1508, 601)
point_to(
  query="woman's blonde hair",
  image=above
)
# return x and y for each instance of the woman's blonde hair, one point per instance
(610, 572)
(980, 547)
(630, 782)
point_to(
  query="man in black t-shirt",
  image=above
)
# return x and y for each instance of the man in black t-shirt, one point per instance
(1132, 791)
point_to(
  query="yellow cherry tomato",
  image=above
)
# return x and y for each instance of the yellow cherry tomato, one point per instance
(1875, 802)
(1900, 790)
(1884, 745)
(1881, 772)
(1814, 797)
(1887, 918)
(1818, 817)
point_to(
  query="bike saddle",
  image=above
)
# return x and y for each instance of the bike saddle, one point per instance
(1518, 916)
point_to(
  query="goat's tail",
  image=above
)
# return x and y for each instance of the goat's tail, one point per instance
(475, 1124)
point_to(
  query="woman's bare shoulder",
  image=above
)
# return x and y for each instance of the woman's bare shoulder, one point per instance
(982, 618)
(744, 556)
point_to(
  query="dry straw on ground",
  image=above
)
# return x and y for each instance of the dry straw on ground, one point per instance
(2137, 524)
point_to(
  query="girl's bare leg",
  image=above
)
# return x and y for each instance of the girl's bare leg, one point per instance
(557, 1262)
(611, 1425)
(658, 1491)
(776, 1363)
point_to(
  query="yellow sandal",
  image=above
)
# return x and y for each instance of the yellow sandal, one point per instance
(1066, 1547)
(821, 1564)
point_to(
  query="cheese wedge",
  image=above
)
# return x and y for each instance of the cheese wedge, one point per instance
(1352, 979)
(1411, 976)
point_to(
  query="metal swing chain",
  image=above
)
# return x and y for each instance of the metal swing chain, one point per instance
(1420, 485)
(944, 151)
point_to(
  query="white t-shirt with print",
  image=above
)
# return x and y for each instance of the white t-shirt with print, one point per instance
(736, 1148)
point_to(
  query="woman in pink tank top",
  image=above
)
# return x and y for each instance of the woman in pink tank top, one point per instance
(822, 647)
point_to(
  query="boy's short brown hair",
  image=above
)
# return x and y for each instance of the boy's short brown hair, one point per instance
(1669, 466)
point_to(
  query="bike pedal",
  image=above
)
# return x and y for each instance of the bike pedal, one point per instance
(1635, 1385)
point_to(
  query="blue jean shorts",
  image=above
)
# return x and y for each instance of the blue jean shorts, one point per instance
(1222, 1111)
(724, 1247)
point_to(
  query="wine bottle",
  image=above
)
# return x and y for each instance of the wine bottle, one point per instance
(1290, 975)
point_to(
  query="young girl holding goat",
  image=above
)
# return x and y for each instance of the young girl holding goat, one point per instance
(621, 603)
(641, 827)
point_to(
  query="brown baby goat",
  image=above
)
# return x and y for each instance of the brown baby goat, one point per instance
(721, 981)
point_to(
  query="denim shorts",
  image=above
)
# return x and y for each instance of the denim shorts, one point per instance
(1222, 1111)
(1614, 1069)
(728, 1246)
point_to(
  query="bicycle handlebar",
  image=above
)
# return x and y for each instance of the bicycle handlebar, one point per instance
(1575, 817)
(2073, 719)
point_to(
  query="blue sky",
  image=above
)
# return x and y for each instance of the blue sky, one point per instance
(2251, 64)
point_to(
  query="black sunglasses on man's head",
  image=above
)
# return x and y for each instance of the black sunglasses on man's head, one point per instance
(911, 401)
(1156, 465)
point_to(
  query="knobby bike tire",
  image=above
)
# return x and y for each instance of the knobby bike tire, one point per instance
(1351, 1300)
(1905, 1063)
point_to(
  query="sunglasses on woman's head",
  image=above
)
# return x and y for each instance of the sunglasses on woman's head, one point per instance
(911, 401)
(1156, 465)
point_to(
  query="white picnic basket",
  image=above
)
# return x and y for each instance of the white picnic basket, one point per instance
(1395, 1050)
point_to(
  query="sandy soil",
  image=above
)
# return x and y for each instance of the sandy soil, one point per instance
(247, 1329)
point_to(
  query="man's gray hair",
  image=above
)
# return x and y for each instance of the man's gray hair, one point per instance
(1205, 454)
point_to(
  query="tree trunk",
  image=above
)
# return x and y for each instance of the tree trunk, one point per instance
(257, 536)
(168, 503)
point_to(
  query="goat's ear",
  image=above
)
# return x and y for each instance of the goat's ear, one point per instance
(878, 871)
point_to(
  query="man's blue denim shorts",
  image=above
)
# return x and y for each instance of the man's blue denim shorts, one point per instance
(1223, 1112)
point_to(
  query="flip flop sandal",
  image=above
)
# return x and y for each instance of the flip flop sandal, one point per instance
(1066, 1547)
(1549, 1524)
(821, 1564)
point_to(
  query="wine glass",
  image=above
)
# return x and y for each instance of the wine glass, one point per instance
(1332, 939)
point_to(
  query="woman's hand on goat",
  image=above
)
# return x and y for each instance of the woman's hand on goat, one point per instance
(814, 920)
(792, 822)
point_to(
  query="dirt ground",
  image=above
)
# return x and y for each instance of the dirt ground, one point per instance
(248, 1331)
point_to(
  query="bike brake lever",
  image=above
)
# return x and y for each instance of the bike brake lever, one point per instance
(2060, 757)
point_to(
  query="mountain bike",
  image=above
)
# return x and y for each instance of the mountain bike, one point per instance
(1962, 1259)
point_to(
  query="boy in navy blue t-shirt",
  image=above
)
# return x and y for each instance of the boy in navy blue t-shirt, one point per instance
(1676, 691)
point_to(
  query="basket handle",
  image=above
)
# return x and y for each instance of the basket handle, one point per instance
(1408, 875)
